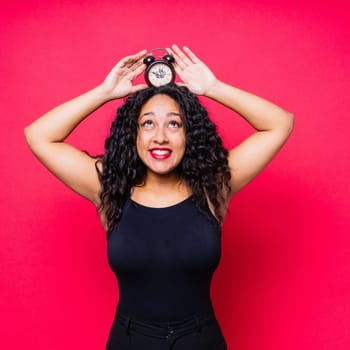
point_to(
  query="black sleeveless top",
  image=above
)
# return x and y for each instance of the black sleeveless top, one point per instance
(164, 259)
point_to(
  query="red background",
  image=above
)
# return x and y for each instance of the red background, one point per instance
(284, 279)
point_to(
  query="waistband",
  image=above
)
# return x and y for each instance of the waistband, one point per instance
(165, 330)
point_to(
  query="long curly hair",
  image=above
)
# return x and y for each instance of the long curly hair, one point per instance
(204, 167)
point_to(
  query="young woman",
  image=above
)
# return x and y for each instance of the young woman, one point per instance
(162, 189)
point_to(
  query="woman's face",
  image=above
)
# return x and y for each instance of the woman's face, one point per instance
(161, 138)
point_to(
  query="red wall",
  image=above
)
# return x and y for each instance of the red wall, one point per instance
(284, 281)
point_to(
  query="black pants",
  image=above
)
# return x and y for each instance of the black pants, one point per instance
(194, 333)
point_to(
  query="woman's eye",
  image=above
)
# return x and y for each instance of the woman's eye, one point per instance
(174, 124)
(147, 123)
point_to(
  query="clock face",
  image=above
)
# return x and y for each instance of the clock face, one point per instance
(159, 74)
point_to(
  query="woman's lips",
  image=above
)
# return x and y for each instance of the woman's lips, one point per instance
(160, 153)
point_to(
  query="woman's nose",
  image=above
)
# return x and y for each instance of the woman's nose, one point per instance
(160, 135)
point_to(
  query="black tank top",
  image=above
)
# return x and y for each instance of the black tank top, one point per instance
(164, 259)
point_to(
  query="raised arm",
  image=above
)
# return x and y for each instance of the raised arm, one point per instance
(273, 125)
(46, 135)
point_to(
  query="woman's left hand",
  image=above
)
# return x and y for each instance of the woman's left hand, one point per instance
(195, 75)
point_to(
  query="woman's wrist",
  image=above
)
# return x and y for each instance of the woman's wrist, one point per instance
(215, 90)
(102, 95)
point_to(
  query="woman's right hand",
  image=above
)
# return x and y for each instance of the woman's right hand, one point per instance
(119, 81)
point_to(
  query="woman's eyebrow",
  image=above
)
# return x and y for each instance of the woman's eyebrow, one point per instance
(170, 114)
(173, 114)
(147, 114)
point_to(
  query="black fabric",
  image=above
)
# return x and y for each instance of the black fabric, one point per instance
(164, 259)
(194, 333)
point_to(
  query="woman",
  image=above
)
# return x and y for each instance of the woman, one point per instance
(162, 190)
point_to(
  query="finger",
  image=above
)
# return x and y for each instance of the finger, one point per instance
(180, 84)
(178, 69)
(138, 87)
(126, 61)
(139, 69)
(191, 55)
(181, 55)
(130, 76)
(134, 72)
(136, 65)
(178, 62)
(137, 55)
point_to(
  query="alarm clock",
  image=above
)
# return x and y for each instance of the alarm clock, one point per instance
(160, 70)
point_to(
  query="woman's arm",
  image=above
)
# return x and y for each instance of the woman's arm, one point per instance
(46, 135)
(273, 125)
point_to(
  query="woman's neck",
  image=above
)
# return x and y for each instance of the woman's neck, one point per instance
(161, 190)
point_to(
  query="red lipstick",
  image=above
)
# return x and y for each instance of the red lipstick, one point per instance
(160, 153)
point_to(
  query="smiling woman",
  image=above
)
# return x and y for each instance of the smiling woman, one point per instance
(162, 189)
(160, 137)
(163, 141)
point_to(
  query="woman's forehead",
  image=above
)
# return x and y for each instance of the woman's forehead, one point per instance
(160, 104)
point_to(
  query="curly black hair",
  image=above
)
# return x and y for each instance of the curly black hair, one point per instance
(204, 166)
